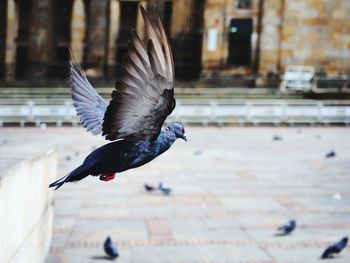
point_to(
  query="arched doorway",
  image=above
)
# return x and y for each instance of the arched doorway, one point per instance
(3, 30)
(61, 36)
(187, 40)
(127, 20)
(24, 10)
(69, 30)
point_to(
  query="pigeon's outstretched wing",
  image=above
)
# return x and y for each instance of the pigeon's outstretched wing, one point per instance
(90, 106)
(144, 95)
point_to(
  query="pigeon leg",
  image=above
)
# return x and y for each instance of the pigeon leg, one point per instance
(107, 177)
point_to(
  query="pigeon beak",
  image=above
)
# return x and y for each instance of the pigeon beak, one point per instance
(184, 137)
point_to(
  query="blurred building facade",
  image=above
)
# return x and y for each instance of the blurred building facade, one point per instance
(210, 38)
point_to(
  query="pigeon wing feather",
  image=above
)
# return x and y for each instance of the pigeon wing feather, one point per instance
(144, 94)
(89, 105)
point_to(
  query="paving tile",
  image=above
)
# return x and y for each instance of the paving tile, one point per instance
(208, 253)
(226, 202)
(97, 230)
(207, 229)
(241, 204)
(310, 255)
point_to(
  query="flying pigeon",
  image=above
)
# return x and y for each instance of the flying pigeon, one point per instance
(142, 100)
(110, 248)
(288, 227)
(331, 154)
(335, 248)
(164, 190)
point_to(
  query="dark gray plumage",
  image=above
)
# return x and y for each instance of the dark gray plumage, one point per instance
(142, 100)
(336, 248)
(147, 78)
(331, 154)
(164, 190)
(288, 227)
(149, 188)
(110, 248)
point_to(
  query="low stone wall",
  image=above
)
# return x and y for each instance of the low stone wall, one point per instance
(26, 205)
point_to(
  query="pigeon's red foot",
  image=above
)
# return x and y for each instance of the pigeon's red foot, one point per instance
(107, 177)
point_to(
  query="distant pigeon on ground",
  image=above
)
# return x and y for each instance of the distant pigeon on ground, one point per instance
(288, 227)
(164, 190)
(143, 99)
(110, 248)
(149, 188)
(198, 152)
(335, 248)
(331, 154)
(277, 138)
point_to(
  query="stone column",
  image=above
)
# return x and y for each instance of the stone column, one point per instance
(186, 36)
(213, 47)
(38, 39)
(113, 35)
(11, 36)
(78, 30)
(270, 38)
(97, 27)
(3, 27)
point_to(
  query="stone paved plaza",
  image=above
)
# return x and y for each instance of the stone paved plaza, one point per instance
(232, 187)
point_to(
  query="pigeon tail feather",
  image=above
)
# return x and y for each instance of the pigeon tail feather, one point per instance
(57, 184)
(326, 253)
(76, 175)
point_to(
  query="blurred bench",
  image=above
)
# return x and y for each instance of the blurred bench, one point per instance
(298, 78)
(305, 79)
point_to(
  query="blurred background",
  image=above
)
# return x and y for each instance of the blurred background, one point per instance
(252, 41)
(263, 89)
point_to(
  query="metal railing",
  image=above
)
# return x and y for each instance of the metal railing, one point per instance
(195, 111)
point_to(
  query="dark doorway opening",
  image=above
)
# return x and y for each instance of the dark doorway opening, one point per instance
(167, 15)
(3, 31)
(59, 67)
(24, 10)
(128, 18)
(240, 47)
(187, 47)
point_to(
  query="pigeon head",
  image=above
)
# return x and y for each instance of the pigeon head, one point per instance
(178, 129)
